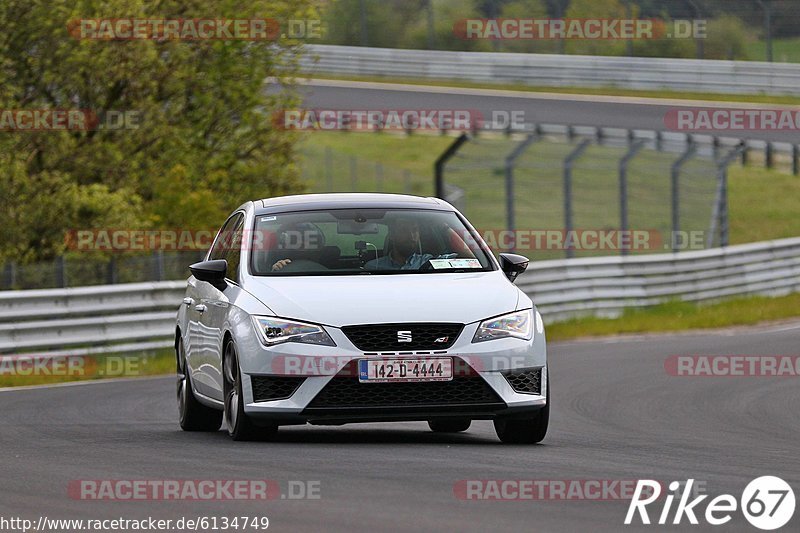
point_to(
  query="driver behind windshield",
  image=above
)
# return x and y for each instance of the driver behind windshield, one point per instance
(403, 248)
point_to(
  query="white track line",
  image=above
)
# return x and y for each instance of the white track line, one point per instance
(78, 383)
(755, 329)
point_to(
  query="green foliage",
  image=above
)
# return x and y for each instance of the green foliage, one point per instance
(596, 9)
(446, 14)
(726, 39)
(204, 142)
(527, 9)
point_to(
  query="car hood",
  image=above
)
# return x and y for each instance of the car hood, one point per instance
(365, 299)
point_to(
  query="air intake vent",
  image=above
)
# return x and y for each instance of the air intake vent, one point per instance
(269, 388)
(526, 381)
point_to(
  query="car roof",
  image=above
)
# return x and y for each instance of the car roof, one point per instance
(313, 202)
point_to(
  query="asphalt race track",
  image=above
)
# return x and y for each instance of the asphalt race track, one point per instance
(610, 111)
(617, 415)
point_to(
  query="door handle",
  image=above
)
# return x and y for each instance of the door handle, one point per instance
(200, 308)
(188, 301)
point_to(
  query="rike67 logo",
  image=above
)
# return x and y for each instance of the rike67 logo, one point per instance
(767, 502)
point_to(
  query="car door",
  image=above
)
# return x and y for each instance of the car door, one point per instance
(213, 306)
(203, 337)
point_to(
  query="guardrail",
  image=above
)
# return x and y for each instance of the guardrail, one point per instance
(739, 77)
(604, 286)
(139, 316)
(107, 318)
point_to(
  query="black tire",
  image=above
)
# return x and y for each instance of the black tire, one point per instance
(193, 415)
(449, 425)
(240, 426)
(530, 430)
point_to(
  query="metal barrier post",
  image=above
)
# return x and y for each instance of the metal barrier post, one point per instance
(721, 205)
(438, 166)
(568, 162)
(353, 173)
(379, 176)
(511, 159)
(328, 169)
(623, 187)
(61, 271)
(677, 166)
(770, 155)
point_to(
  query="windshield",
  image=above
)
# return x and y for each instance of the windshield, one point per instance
(364, 241)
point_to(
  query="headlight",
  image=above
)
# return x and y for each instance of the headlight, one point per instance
(518, 324)
(273, 331)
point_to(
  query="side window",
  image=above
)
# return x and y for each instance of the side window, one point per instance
(228, 245)
(234, 252)
(223, 237)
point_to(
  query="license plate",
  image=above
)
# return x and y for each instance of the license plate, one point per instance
(400, 370)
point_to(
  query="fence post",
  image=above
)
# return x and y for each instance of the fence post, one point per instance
(745, 153)
(623, 187)
(677, 166)
(438, 166)
(328, 169)
(568, 162)
(353, 173)
(721, 204)
(112, 270)
(10, 274)
(158, 265)
(511, 159)
(770, 155)
(61, 272)
(795, 159)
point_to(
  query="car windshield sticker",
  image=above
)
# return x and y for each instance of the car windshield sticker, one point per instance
(267, 219)
(455, 263)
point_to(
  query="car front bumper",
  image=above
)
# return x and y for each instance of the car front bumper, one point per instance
(314, 369)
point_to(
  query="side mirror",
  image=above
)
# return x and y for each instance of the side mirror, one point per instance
(513, 265)
(211, 271)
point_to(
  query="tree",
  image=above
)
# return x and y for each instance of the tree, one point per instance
(526, 9)
(204, 142)
(596, 9)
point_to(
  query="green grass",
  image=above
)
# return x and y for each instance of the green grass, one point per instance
(600, 91)
(155, 363)
(763, 204)
(783, 50)
(678, 316)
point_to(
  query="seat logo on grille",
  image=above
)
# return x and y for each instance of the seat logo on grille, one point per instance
(403, 336)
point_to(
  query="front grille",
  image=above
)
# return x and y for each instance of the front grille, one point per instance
(526, 381)
(385, 337)
(345, 391)
(269, 388)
